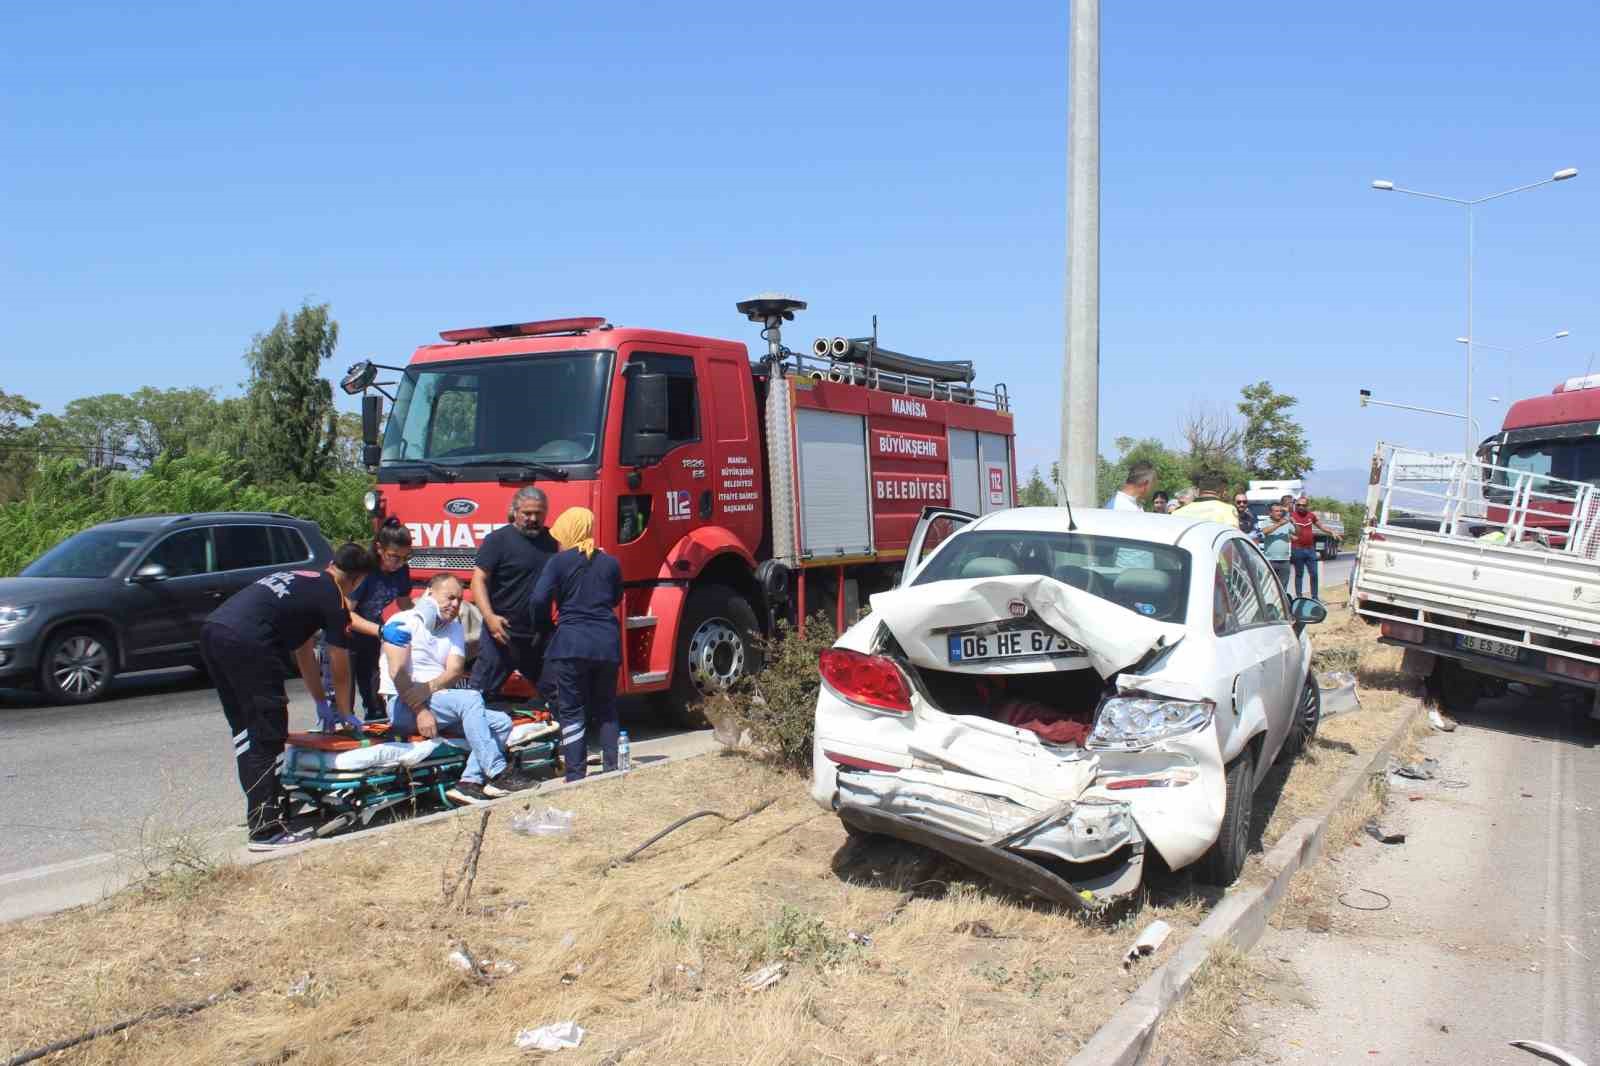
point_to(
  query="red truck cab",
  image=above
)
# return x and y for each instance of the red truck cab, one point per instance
(1555, 435)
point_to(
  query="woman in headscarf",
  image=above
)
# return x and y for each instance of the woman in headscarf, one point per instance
(585, 586)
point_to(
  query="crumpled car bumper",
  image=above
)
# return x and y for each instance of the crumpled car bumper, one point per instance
(1094, 843)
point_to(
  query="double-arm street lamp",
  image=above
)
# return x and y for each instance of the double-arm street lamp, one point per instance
(1470, 205)
(1519, 350)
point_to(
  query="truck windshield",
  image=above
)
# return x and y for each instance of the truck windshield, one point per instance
(537, 409)
(1574, 459)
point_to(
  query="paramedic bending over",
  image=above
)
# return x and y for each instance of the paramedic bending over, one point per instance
(585, 584)
(424, 654)
(246, 644)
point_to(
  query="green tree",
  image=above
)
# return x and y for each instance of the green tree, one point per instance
(290, 414)
(1036, 493)
(1274, 444)
(18, 443)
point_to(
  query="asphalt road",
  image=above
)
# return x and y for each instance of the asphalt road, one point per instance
(154, 758)
(1492, 929)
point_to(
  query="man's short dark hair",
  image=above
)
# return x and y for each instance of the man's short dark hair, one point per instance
(438, 579)
(1209, 478)
(1141, 473)
(354, 559)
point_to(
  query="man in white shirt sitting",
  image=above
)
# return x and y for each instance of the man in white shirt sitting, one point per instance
(1140, 480)
(424, 654)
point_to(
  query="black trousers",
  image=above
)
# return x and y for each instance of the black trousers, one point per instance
(364, 651)
(586, 692)
(249, 680)
(522, 653)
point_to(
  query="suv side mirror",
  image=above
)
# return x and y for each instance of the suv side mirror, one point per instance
(371, 419)
(1307, 611)
(149, 573)
(646, 440)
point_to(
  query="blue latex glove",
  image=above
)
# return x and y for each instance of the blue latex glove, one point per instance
(327, 717)
(353, 724)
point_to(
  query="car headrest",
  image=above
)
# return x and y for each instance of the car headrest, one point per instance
(1150, 592)
(989, 566)
(1079, 577)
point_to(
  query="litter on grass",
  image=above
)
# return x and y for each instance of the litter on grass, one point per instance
(552, 821)
(1155, 934)
(1338, 693)
(764, 978)
(555, 1037)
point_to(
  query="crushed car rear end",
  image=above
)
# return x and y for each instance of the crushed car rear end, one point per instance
(1025, 727)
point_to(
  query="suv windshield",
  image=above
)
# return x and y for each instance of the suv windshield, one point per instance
(92, 553)
(539, 409)
(1574, 459)
(1152, 579)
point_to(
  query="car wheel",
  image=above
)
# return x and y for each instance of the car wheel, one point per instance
(1223, 863)
(716, 647)
(76, 667)
(1307, 714)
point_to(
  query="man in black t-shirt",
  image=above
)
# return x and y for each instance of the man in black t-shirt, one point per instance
(508, 566)
(245, 644)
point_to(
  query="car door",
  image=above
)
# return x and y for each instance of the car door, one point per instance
(934, 526)
(1246, 651)
(669, 498)
(1278, 636)
(160, 625)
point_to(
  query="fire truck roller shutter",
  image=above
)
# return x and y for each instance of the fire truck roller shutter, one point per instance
(965, 493)
(835, 501)
(995, 485)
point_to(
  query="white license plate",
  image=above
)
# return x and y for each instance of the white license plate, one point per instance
(1498, 648)
(1008, 644)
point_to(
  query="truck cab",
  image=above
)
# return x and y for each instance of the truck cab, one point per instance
(1555, 438)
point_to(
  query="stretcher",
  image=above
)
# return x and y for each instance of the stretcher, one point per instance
(349, 781)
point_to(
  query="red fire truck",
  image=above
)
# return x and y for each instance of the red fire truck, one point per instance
(733, 492)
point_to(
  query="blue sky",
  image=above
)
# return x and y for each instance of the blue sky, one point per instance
(174, 175)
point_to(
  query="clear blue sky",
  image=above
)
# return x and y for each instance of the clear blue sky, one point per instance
(174, 175)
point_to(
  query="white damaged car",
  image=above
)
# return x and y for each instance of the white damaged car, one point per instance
(1048, 700)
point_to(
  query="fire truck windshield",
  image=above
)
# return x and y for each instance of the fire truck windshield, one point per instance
(542, 409)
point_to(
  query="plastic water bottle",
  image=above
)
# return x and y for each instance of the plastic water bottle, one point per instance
(624, 753)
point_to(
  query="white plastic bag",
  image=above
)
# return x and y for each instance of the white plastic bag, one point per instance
(554, 1037)
(552, 821)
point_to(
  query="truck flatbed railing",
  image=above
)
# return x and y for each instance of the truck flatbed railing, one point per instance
(899, 384)
(1458, 497)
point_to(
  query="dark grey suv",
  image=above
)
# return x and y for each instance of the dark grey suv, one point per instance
(132, 594)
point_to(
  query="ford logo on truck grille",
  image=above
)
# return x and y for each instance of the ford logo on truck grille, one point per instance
(460, 507)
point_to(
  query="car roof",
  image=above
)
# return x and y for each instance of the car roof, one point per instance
(152, 522)
(1096, 521)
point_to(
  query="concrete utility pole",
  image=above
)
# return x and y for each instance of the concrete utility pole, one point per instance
(1080, 377)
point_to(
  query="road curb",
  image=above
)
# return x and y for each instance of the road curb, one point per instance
(1240, 919)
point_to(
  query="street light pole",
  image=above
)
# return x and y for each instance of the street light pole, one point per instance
(1080, 378)
(1389, 186)
(1368, 401)
(1472, 342)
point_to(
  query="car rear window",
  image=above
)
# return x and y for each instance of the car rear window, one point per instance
(288, 546)
(243, 547)
(1151, 579)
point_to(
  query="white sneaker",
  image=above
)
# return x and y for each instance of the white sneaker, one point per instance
(1441, 721)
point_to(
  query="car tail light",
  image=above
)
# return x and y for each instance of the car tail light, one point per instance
(1401, 631)
(1573, 668)
(850, 762)
(872, 681)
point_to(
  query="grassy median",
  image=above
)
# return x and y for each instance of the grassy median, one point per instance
(888, 954)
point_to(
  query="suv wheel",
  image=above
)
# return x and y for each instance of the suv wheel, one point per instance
(76, 667)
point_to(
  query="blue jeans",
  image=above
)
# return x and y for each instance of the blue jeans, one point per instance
(460, 713)
(1305, 562)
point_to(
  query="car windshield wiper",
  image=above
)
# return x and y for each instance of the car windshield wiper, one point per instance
(438, 470)
(535, 468)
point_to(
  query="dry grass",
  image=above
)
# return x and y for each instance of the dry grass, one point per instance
(1203, 1027)
(345, 949)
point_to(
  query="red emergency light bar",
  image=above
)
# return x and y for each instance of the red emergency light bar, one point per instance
(522, 329)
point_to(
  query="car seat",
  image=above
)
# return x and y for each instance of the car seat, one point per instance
(989, 566)
(1080, 577)
(1150, 592)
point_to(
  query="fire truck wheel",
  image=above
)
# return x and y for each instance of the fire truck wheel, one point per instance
(716, 647)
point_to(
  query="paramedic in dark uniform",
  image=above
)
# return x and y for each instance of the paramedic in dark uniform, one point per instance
(247, 642)
(508, 564)
(585, 585)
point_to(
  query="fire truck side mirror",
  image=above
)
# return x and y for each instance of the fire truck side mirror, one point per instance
(647, 419)
(371, 419)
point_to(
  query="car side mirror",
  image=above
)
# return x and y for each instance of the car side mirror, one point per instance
(149, 573)
(1307, 611)
(647, 418)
